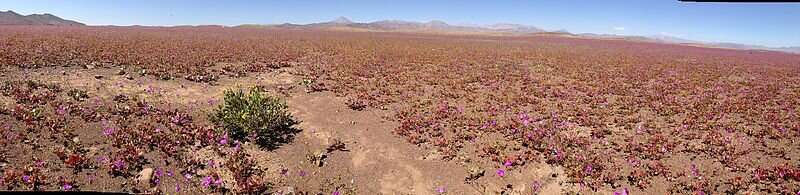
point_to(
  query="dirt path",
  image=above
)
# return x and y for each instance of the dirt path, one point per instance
(382, 162)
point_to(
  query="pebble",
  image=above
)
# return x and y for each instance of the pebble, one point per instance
(145, 176)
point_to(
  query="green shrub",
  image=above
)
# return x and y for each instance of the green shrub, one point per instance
(256, 116)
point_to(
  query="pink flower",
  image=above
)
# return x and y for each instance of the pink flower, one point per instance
(624, 192)
(224, 140)
(206, 182)
(67, 186)
(108, 131)
(335, 193)
(525, 119)
(536, 186)
(589, 169)
(501, 172)
(119, 164)
(61, 110)
(508, 163)
(441, 190)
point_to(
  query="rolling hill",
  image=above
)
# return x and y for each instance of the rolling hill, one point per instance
(13, 18)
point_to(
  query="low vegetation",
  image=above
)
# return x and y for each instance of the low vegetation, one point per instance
(614, 114)
(255, 115)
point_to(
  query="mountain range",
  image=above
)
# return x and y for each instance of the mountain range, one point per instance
(434, 26)
(343, 23)
(13, 18)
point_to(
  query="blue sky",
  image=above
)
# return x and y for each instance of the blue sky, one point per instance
(762, 24)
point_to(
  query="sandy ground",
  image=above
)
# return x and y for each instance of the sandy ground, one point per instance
(374, 161)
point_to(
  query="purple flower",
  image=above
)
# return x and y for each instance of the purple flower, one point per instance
(694, 170)
(335, 193)
(525, 119)
(210, 163)
(39, 163)
(119, 164)
(224, 140)
(61, 110)
(237, 146)
(508, 163)
(536, 186)
(624, 192)
(177, 187)
(102, 159)
(501, 172)
(187, 176)
(107, 131)
(589, 169)
(26, 178)
(302, 173)
(206, 182)
(441, 190)
(67, 186)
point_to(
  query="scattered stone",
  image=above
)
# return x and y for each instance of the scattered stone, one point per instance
(76, 140)
(475, 172)
(98, 76)
(289, 191)
(145, 176)
(88, 66)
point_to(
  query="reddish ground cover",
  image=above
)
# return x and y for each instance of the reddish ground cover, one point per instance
(614, 114)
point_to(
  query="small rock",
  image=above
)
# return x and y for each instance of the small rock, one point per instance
(88, 66)
(129, 77)
(76, 140)
(98, 76)
(289, 191)
(145, 176)
(63, 72)
(120, 72)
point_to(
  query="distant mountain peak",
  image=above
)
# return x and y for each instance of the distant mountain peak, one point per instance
(437, 22)
(342, 20)
(12, 18)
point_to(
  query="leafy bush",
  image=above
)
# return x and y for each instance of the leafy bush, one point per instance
(257, 116)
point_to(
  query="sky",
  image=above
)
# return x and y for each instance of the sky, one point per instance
(772, 24)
